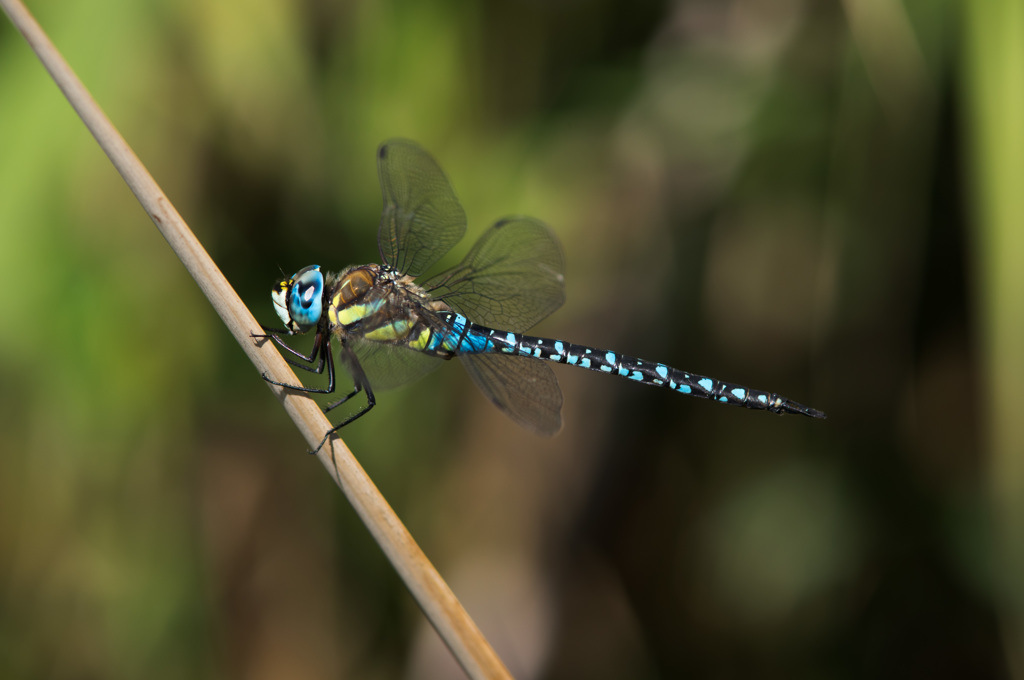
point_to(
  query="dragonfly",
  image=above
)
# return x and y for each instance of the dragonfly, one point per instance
(390, 328)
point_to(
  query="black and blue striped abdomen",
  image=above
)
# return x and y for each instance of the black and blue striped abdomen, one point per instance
(465, 337)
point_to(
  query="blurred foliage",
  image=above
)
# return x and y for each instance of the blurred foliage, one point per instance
(775, 193)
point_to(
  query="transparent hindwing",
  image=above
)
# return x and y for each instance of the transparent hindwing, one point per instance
(513, 277)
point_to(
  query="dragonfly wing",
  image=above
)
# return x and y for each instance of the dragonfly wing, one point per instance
(387, 366)
(525, 389)
(513, 277)
(422, 219)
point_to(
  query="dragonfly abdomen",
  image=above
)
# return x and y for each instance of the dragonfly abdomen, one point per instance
(465, 337)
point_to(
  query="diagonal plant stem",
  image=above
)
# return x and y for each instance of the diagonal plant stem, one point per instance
(434, 596)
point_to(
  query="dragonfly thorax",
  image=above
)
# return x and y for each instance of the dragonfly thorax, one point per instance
(374, 301)
(353, 285)
(298, 300)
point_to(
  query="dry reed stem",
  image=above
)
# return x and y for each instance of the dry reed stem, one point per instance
(434, 596)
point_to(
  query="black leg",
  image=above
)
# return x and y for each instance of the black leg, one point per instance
(354, 392)
(370, 403)
(308, 360)
(321, 353)
(268, 331)
(322, 347)
(274, 334)
(284, 345)
(361, 385)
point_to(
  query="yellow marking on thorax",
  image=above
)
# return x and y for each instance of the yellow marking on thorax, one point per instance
(348, 314)
(395, 330)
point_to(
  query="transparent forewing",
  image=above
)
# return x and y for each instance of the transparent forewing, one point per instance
(524, 388)
(513, 277)
(422, 219)
(387, 366)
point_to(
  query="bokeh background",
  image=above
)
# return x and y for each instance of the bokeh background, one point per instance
(823, 199)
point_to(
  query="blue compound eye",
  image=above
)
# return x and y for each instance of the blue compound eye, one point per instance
(303, 299)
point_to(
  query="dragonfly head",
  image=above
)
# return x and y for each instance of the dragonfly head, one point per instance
(299, 299)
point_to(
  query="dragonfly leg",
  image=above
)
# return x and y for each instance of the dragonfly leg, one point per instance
(295, 364)
(275, 335)
(361, 385)
(268, 331)
(354, 392)
(321, 347)
(308, 360)
(370, 403)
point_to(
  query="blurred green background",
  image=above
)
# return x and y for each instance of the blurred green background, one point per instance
(823, 199)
